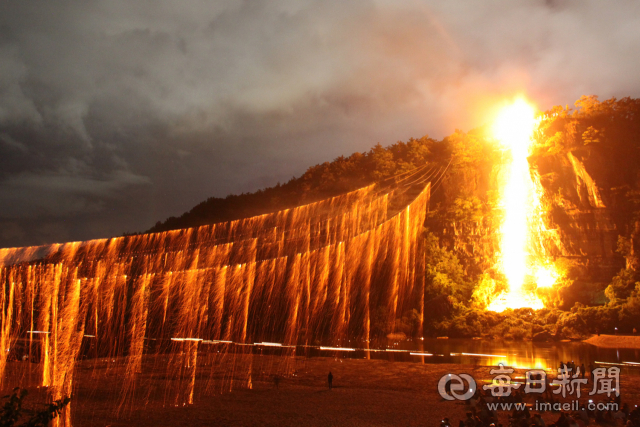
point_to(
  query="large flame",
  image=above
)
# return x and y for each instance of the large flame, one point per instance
(513, 129)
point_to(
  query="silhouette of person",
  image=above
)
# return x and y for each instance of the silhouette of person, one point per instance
(562, 420)
(330, 378)
(470, 422)
(276, 380)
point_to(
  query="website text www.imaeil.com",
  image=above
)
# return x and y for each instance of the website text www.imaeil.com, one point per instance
(539, 406)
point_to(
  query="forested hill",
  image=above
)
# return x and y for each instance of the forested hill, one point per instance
(587, 163)
(600, 137)
(318, 182)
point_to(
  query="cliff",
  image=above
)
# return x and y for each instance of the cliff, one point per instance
(588, 165)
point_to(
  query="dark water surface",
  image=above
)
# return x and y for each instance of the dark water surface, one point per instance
(521, 354)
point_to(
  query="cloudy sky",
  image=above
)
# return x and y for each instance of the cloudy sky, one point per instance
(119, 113)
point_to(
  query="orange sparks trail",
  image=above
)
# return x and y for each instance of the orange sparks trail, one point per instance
(519, 262)
(167, 308)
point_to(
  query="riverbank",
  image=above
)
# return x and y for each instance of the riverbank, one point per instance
(365, 393)
(615, 341)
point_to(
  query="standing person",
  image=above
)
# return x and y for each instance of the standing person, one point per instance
(330, 378)
(470, 422)
(537, 420)
(547, 388)
(562, 420)
(582, 370)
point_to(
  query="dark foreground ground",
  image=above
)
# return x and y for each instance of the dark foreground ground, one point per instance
(365, 393)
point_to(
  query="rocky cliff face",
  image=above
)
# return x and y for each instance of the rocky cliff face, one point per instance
(581, 224)
(588, 166)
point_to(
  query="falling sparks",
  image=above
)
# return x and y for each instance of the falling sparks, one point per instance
(520, 200)
(184, 303)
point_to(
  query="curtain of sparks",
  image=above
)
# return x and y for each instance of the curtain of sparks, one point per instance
(172, 315)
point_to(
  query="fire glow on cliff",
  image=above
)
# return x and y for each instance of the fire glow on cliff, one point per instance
(524, 269)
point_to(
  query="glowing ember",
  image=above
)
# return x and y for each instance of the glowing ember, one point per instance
(513, 129)
(546, 277)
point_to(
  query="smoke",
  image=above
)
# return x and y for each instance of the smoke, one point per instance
(115, 115)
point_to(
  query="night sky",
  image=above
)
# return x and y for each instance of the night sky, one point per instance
(117, 114)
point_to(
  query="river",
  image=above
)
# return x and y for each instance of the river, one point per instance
(521, 354)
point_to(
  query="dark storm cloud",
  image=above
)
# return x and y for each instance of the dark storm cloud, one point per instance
(116, 114)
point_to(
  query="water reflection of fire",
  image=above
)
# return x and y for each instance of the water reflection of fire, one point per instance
(523, 268)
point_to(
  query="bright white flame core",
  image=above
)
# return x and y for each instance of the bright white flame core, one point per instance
(546, 277)
(513, 129)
